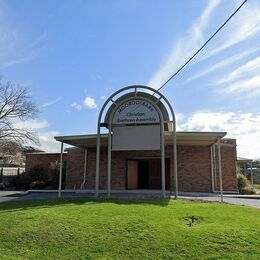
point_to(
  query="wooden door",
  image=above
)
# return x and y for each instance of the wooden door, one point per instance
(132, 174)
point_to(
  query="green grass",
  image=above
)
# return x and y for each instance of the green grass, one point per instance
(256, 186)
(83, 228)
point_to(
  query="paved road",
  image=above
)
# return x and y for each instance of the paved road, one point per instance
(17, 195)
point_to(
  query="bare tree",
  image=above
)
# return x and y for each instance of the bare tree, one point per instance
(15, 105)
(11, 153)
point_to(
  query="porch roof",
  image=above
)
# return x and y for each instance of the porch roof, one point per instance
(244, 160)
(183, 138)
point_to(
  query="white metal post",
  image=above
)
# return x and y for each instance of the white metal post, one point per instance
(162, 158)
(97, 160)
(251, 171)
(175, 164)
(61, 164)
(85, 169)
(212, 169)
(109, 162)
(220, 171)
(215, 165)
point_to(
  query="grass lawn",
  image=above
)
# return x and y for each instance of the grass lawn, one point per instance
(122, 229)
(257, 186)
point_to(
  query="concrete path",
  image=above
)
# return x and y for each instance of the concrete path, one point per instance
(251, 201)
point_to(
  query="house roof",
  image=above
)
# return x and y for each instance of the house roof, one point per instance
(183, 138)
(241, 159)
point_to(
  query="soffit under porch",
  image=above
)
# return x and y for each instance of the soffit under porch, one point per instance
(183, 138)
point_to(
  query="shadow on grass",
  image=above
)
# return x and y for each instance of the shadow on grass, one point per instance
(20, 205)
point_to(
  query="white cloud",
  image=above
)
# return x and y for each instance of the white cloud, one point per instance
(103, 97)
(47, 141)
(8, 34)
(32, 124)
(222, 64)
(184, 47)
(76, 106)
(245, 127)
(179, 117)
(45, 136)
(90, 103)
(243, 26)
(16, 47)
(243, 86)
(17, 61)
(252, 66)
(50, 103)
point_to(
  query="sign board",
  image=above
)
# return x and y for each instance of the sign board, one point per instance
(136, 111)
(130, 138)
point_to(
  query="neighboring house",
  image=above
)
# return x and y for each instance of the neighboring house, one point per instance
(12, 160)
(13, 155)
(246, 167)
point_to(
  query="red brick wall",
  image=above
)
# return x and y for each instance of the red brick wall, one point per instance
(41, 159)
(194, 168)
(194, 171)
(74, 168)
(228, 161)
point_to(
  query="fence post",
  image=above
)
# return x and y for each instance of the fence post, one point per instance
(1, 174)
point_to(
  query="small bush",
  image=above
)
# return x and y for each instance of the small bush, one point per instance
(242, 182)
(248, 190)
(37, 185)
(243, 185)
(39, 177)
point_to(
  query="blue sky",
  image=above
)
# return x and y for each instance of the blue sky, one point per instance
(73, 54)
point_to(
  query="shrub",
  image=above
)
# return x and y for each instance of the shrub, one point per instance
(243, 185)
(39, 173)
(242, 182)
(37, 185)
(39, 177)
(248, 190)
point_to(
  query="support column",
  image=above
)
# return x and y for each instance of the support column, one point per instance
(97, 160)
(245, 172)
(85, 169)
(212, 169)
(61, 164)
(215, 165)
(109, 163)
(220, 172)
(251, 171)
(175, 165)
(162, 160)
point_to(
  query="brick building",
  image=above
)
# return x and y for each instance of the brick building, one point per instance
(143, 151)
(197, 155)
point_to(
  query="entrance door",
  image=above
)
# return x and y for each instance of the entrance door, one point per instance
(143, 174)
(146, 174)
(132, 174)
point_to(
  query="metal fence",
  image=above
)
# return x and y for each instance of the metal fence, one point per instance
(7, 174)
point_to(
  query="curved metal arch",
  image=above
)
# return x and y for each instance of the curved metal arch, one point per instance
(161, 143)
(174, 133)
